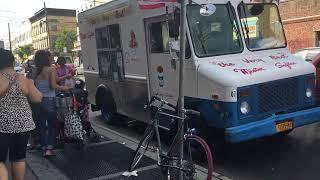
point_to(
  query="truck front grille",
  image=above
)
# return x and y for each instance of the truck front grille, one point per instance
(277, 95)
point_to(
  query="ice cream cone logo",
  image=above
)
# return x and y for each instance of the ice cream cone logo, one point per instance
(133, 40)
(133, 45)
(160, 76)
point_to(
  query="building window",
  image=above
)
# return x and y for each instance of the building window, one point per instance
(53, 24)
(53, 39)
(318, 38)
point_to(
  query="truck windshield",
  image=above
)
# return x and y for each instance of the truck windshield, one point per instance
(261, 26)
(217, 34)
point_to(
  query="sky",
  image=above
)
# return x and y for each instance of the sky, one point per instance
(17, 12)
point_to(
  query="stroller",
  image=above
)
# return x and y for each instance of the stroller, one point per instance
(81, 107)
(75, 103)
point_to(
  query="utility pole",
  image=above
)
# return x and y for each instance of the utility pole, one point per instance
(9, 37)
(181, 75)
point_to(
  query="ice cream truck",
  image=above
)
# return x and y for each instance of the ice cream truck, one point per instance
(238, 71)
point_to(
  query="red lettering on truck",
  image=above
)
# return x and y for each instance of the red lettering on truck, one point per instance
(248, 71)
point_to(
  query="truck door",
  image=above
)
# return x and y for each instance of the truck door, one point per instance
(163, 71)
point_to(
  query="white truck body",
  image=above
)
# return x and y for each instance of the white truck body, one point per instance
(119, 51)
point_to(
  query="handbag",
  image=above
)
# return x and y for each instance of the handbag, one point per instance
(73, 127)
(70, 83)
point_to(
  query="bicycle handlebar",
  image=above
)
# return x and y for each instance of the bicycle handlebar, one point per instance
(192, 112)
(153, 98)
(187, 112)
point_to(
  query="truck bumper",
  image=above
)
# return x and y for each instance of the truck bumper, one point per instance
(267, 127)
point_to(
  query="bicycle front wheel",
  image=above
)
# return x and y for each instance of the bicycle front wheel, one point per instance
(142, 147)
(188, 166)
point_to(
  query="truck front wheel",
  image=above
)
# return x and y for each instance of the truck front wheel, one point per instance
(106, 103)
(107, 115)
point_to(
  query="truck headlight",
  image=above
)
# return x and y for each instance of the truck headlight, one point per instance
(245, 107)
(309, 93)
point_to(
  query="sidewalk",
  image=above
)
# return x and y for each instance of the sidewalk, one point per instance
(104, 160)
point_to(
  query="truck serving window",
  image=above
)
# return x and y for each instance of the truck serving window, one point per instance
(216, 34)
(261, 26)
(109, 52)
(108, 37)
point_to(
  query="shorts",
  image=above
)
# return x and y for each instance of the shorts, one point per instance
(15, 144)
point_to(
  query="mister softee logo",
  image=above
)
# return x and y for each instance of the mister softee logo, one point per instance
(160, 76)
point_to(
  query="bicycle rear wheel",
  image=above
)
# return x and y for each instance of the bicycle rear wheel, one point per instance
(188, 166)
(142, 147)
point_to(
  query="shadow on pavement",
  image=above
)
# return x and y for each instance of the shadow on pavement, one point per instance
(294, 157)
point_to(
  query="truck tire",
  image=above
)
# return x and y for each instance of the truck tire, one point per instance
(106, 103)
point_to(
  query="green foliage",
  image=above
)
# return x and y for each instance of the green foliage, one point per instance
(65, 39)
(24, 51)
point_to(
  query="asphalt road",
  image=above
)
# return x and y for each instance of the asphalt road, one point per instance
(295, 157)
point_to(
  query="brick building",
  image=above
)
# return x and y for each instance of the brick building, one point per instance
(301, 19)
(57, 20)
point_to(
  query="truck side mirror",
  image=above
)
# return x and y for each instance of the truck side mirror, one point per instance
(174, 25)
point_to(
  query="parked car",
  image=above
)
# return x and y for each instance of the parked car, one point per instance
(18, 68)
(312, 55)
(316, 62)
(80, 69)
(308, 54)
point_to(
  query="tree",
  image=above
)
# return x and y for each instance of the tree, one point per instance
(65, 39)
(24, 51)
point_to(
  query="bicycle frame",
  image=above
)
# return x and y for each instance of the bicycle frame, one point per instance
(171, 160)
(176, 139)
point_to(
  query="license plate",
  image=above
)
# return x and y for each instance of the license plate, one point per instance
(284, 125)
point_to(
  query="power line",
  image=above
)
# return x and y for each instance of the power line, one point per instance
(7, 11)
(13, 18)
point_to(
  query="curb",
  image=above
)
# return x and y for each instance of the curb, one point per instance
(32, 171)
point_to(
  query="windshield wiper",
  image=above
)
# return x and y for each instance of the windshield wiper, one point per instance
(245, 23)
(233, 22)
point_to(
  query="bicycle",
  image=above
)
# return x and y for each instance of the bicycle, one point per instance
(170, 162)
